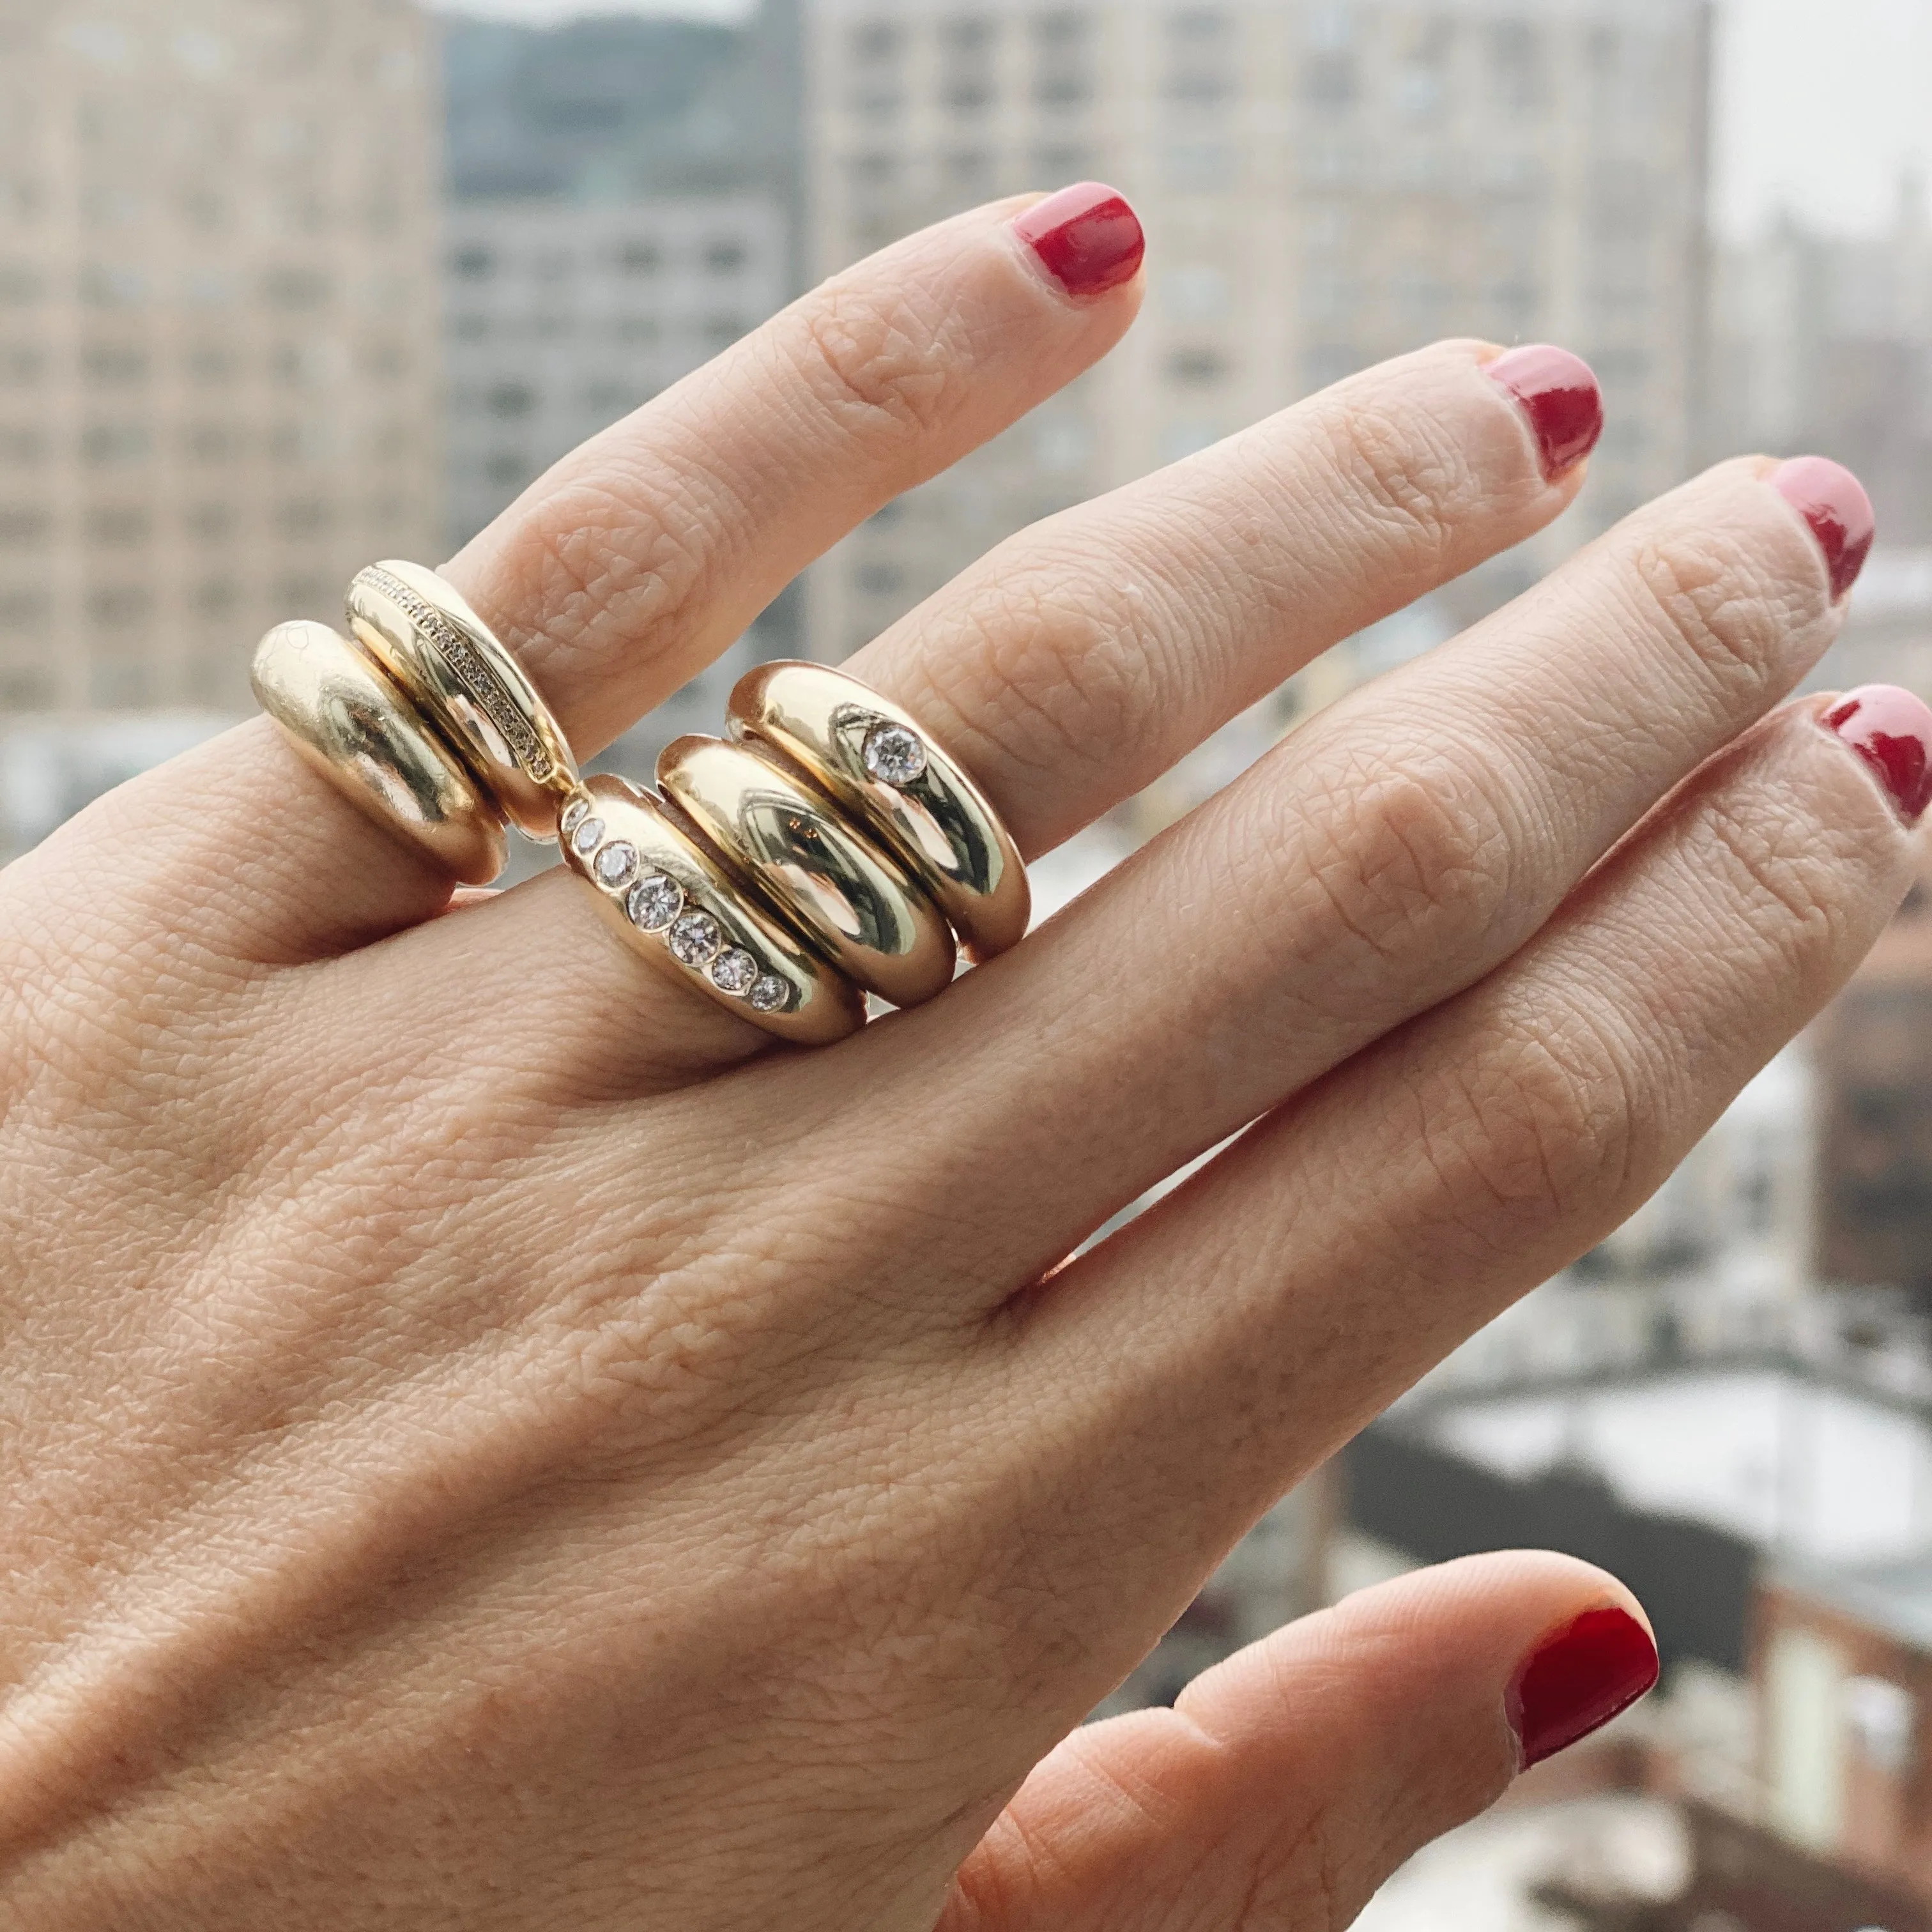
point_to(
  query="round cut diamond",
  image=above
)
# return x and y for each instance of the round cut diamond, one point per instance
(893, 754)
(770, 994)
(734, 970)
(616, 863)
(574, 814)
(588, 836)
(655, 900)
(696, 938)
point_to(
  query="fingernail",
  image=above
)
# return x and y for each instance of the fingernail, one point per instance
(1577, 1680)
(1891, 730)
(1088, 238)
(1560, 394)
(1834, 503)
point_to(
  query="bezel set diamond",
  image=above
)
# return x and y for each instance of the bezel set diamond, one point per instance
(894, 753)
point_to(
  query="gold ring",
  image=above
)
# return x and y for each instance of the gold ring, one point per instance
(848, 895)
(671, 900)
(877, 762)
(427, 638)
(365, 736)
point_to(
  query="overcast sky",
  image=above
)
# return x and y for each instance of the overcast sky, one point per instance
(1821, 103)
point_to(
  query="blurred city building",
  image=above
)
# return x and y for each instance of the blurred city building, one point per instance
(219, 354)
(1875, 1061)
(1324, 182)
(624, 203)
(1824, 342)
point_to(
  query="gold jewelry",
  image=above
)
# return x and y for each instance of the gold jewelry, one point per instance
(423, 633)
(847, 895)
(671, 900)
(369, 740)
(875, 760)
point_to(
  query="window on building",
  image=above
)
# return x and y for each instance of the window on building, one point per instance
(212, 363)
(1064, 88)
(1329, 81)
(212, 442)
(720, 331)
(470, 327)
(508, 472)
(510, 401)
(724, 256)
(305, 517)
(1196, 368)
(105, 285)
(23, 527)
(1062, 164)
(108, 445)
(23, 608)
(968, 93)
(1180, 440)
(1517, 80)
(212, 523)
(114, 364)
(474, 263)
(640, 258)
(970, 34)
(873, 40)
(119, 526)
(640, 331)
(1198, 26)
(879, 580)
(22, 364)
(119, 606)
(120, 684)
(293, 288)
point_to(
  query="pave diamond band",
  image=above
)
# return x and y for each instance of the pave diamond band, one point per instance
(478, 678)
(417, 626)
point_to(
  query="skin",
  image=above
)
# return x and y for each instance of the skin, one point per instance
(488, 1443)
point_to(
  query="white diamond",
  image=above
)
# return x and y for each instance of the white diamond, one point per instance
(893, 754)
(734, 970)
(696, 938)
(574, 814)
(588, 836)
(770, 994)
(654, 901)
(616, 863)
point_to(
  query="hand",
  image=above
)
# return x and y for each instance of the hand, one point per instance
(485, 1445)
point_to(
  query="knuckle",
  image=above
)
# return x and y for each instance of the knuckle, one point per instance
(1059, 684)
(1542, 1131)
(1406, 481)
(882, 366)
(1407, 859)
(1726, 607)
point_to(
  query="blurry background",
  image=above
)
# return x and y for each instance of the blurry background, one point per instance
(287, 285)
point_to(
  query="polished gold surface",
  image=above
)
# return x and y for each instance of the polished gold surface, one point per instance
(672, 901)
(846, 894)
(937, 820)
(422, 632)
(354, 726)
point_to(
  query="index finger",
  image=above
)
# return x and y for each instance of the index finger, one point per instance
(637, 560)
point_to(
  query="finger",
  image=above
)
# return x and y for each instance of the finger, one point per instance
(1288, 1782)
(1085, 656)
(1394, 850)
(638, 558)
(1259, 1316)
(635, 562)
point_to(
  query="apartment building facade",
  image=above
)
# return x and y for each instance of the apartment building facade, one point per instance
(219, 340)
(1325, 183)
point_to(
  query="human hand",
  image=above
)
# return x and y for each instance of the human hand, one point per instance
(488, 1444)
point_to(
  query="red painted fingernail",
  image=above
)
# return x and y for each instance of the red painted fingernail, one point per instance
(1578, 1679)
(1088, 238)
(1560, 394)
(1834, 503)
(1891, 730)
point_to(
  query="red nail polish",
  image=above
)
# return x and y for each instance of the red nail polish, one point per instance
(1891, 730)
(1560, 394)
(1088, 238)
(1834, 503)
(1578, 1679)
